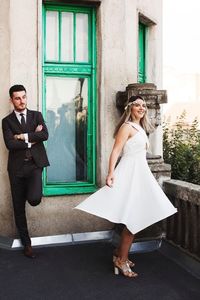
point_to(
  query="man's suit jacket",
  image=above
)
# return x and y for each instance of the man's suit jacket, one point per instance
(17, 148)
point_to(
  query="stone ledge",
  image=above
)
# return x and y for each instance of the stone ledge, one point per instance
(55, 240)
(182, 190)
(140, 245)
(82, 2)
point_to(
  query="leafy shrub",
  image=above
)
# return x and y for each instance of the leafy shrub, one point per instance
(181, 149)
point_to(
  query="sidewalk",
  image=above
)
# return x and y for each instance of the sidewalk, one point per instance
(84, 272)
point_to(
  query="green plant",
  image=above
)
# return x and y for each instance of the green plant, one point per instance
(181, 149)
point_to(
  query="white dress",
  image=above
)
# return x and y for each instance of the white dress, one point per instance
(136, 199)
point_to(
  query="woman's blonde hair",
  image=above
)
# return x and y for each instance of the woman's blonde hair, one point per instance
(144, 122)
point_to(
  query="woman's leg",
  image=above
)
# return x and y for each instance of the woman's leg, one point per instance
(125, 243)
(121, 262)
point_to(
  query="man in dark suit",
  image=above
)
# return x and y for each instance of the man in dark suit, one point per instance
(24, 131)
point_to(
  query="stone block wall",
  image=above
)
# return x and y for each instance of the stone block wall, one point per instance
(183, 228)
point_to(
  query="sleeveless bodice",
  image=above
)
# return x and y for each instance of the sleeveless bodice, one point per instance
(137, 144)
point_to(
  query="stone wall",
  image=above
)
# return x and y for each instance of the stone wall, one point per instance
(117, 60)
(183, 228)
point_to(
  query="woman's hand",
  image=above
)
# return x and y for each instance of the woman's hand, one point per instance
(110, 180)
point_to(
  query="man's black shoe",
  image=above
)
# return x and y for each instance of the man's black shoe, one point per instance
(28, 252)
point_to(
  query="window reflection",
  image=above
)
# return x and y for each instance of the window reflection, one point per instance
(67, 102)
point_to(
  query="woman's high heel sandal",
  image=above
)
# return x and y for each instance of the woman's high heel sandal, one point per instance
(124, 268)
(131, 263)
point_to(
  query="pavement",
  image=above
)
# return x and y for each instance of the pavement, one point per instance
(85, 272)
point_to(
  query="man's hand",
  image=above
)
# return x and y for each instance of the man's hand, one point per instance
(19, 137)
(38, 128)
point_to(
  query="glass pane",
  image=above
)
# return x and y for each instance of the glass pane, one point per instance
(52, 35)
(81, 37)
(67, 37)
(66, 104)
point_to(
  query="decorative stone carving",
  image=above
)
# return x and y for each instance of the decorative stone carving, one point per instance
(153, 99)
(149, 93)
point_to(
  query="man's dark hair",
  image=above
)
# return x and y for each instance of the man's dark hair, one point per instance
(16, 88)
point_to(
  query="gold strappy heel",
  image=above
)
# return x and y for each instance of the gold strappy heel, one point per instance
(123, 268)
(131, 263)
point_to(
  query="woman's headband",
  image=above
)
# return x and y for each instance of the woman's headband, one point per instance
(132, 99)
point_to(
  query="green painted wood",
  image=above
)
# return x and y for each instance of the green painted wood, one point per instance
(68, 69)
(56, 190)
(142, 54)
(75, 69)
(94, 90)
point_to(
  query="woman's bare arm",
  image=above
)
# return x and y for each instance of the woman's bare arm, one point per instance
(122, 136)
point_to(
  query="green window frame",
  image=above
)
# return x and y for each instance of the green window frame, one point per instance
(142, 53)
(73, 69)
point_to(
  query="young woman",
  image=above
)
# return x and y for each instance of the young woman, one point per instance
(132, 195)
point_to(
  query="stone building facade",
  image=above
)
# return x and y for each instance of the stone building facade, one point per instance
(112, 42)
